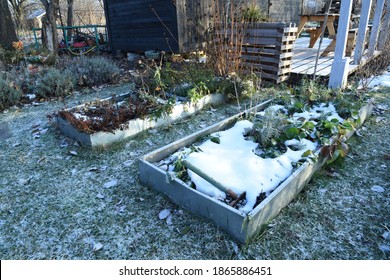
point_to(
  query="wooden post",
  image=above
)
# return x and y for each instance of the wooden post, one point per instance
(375, 27)
(339, 71)
(384, 35)
(361, 37)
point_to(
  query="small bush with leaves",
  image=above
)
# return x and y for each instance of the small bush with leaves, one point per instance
(268, 127)
(311, 91)
(254, 13)
(55, 83)
(9, 92)
(94, 71)
(12, 56)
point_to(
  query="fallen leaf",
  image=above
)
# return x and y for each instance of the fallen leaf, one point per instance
(103, 168)
(150, 143)
(128, 163)
(164, 214)
(169, 220)
(99, 195)
(93, 169)
(184, 230)
(41, 159)
(43, 131)
(98, 246)
(110, 184)
(64, 144)
(377, 188)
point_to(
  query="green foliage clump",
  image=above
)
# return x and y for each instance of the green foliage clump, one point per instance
(94, 71)
(268, 128)
(55, 83)
(311, 91)
(348, 102)
(10, 93)
(254, 13)
(12, 56)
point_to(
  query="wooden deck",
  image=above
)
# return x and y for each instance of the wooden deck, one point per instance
(304, 58)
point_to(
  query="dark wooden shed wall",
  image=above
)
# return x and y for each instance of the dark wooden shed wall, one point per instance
(175, 25)
(140, 25)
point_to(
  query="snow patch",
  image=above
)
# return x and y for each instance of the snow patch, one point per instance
(234, 164)
(319, 110)
(381, 81)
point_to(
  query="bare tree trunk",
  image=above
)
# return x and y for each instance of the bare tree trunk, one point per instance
(69, 20)
(7, 28)
(49, 26)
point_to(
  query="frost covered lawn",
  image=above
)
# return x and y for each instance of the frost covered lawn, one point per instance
(62, 201)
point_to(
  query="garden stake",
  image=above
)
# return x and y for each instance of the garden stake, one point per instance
(215, 183)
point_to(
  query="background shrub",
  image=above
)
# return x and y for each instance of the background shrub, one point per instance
(55, 83)
(94, 71)
(9, 92)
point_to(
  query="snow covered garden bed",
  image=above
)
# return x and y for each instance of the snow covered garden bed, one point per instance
(221, 173)
(109, 120)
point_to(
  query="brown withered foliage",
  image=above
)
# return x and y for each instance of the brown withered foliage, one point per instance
(108, 116)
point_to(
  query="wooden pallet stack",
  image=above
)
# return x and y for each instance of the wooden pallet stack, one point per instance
(267, 50)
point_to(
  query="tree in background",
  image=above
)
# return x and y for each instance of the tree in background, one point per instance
(19, 12)
(49, 26)
(7, 28)
(69, 19)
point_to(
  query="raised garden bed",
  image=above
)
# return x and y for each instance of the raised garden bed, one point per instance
(241, 225)
(106, 121)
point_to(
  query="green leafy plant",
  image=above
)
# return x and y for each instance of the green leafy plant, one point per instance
(14, 55)
(254, 13)
(198, 91)
(311, 91)
(333, 135)
(162, 108)
(94, 71)
(55, 83)
(268, 128)
(10, 93)
(301, 130)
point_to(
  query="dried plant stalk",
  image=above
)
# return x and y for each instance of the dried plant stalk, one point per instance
(227, 38)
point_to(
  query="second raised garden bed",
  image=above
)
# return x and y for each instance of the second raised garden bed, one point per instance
(103, 122)
(242, 224)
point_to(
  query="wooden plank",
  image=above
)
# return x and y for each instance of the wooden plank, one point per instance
(253, 33)
(324, 69)
(265, 62)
